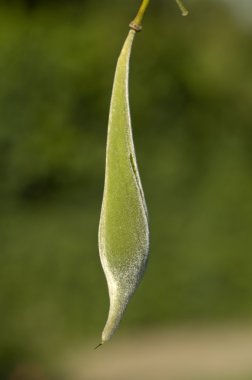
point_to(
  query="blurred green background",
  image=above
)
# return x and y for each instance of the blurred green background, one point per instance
(191, 101)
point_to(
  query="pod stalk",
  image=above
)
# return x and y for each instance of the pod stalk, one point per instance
(136, 24)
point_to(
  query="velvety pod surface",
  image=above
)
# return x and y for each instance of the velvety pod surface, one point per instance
(123, 230)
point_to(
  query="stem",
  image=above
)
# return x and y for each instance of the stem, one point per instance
(136, 24)
(182, 8)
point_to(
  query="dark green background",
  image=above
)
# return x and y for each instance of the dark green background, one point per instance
(191, 107)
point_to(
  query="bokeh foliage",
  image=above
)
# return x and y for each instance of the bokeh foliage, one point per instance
(191, 108)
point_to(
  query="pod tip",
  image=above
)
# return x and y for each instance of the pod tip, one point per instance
(99, 345)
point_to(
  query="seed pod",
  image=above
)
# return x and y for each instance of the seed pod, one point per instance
(123, 229)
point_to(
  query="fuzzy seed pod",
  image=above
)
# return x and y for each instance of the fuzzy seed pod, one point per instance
(123, 229)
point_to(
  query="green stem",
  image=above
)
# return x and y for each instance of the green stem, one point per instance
(136, 24)
(182, 7)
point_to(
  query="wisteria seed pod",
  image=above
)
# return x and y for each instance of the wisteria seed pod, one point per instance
(123, 229)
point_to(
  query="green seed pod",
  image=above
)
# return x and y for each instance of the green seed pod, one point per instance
(123, 229)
